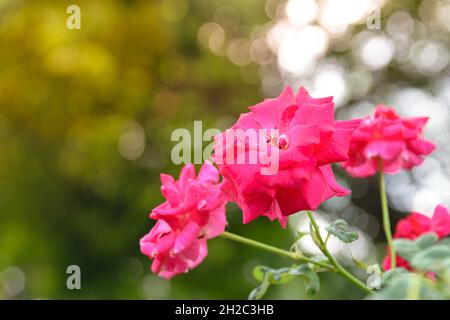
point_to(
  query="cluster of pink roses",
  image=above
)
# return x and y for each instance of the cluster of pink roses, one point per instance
(194, 211)
(308, 140)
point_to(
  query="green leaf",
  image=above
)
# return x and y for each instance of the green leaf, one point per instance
(280, 276)
(426, 240)
(407, 249)
(339, 229)
(408, 286)
(425, 253)
(269, 276)
(445, 242)
(392, 274)
(258, 272)
(311, 280)
(259, 292)
(435, 258)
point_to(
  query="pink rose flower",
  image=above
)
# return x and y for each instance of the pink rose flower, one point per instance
(295, 139)
(385, 136)
(417, 224)
(193, 212)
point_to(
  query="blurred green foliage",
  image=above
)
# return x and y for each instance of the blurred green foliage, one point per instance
(68, 193)
(67, 196)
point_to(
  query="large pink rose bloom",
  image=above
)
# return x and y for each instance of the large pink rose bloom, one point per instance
(386, 137)
(300, 134)
(417, 224)
(193, 212)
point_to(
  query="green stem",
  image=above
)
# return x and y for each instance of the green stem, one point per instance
(271, 249)
(327, 238)
(385, 211)
(341, 270)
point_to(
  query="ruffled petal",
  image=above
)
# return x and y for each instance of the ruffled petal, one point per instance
(186, 237)
(208, 173)
(270, 113)
(440, 222)
(386, 150)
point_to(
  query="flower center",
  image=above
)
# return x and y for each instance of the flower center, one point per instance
(282, 141)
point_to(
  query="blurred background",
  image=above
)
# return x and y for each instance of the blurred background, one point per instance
(86, 117)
